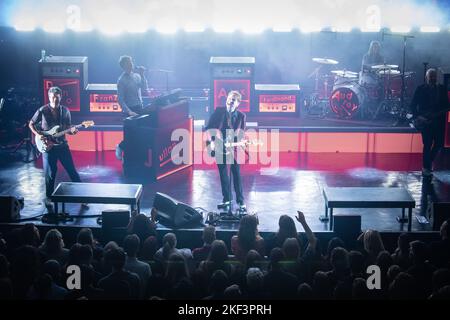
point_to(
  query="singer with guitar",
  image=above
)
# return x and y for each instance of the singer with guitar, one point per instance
(47, 117)
(234, 120)
(429, 108)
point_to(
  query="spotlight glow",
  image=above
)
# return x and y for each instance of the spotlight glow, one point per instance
(370, 29)
(430, 29)
(252, 29)
(194, 27)
(281, 28)
(224, 28)
(53, 27)
(111, 30)
(25, 25)
(400, 29)
(342, 28)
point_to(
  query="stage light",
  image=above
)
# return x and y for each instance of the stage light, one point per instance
(166, 27)
(193, 27)
(22, 22)
(252, 29)
(429, 29)
(310, 25)
(111, 30)
(131, 28)
(25, 25)
(53, 27)
(282, 29)
(375, 29)
(308, 29)
(342, 28)
(85, 28)
(400, 29)
(224, 29)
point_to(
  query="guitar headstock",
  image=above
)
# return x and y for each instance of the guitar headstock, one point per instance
(87, 124)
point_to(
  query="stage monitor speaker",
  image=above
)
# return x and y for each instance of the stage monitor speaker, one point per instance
(174, 213)
(441, 212)
(347, 227)
(115, 219)
(10, 208)
(114, 225)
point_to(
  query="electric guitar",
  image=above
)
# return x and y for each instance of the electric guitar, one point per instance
(423, 121)
(228, 145)
(48, 137)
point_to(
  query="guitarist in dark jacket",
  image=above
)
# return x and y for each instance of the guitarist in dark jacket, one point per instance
(224, 119)
(429, 108)
(45, 118)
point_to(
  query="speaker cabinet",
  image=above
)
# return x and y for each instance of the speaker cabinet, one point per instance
(347, 227)
(441, 212)
(10, 208)
(114, 225)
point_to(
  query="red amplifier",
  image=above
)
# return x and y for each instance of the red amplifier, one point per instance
(68, 73)
(228, 74)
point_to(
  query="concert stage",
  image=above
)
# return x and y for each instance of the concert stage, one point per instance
(296, 185)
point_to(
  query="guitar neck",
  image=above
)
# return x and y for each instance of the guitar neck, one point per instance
(235, 144)
(433, 115)
(61, 133)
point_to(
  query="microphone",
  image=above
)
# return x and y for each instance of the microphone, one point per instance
(140, 69)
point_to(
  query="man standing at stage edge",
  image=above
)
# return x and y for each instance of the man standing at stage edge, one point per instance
(429, 106)
(228, 120)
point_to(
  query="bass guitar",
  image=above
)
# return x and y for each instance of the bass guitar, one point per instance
(423, 121)
(212, 146)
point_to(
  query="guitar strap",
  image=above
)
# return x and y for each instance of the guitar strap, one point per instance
(60, 118)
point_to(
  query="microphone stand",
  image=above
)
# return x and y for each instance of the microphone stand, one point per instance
(405, 38)
(166, 73)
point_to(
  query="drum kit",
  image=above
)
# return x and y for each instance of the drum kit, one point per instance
(369, 95)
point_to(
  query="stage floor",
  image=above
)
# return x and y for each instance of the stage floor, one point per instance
(296, 185)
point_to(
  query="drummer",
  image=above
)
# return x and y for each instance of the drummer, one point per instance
(372, 57)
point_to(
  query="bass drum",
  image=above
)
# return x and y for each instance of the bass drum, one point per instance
(347, 100)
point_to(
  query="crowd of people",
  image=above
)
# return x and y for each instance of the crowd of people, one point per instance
(287, 265)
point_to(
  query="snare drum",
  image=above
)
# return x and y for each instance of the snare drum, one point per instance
(346, 100)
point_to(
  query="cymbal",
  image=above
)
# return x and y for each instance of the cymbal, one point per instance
(388, 71)
(325, 61)
(384, 66)
(345, 73)
(409, 73)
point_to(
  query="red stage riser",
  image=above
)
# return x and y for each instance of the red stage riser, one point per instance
(309, 142)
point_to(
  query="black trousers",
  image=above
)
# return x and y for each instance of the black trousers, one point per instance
(433, 141)
(50, 160)
(225, 181)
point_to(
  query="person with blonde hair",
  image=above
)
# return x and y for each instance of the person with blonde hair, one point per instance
(372, 57)
(373, 244)
(230, 123)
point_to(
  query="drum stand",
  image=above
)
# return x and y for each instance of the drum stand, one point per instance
(402, 94)
(317, 105)
(32, 153)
